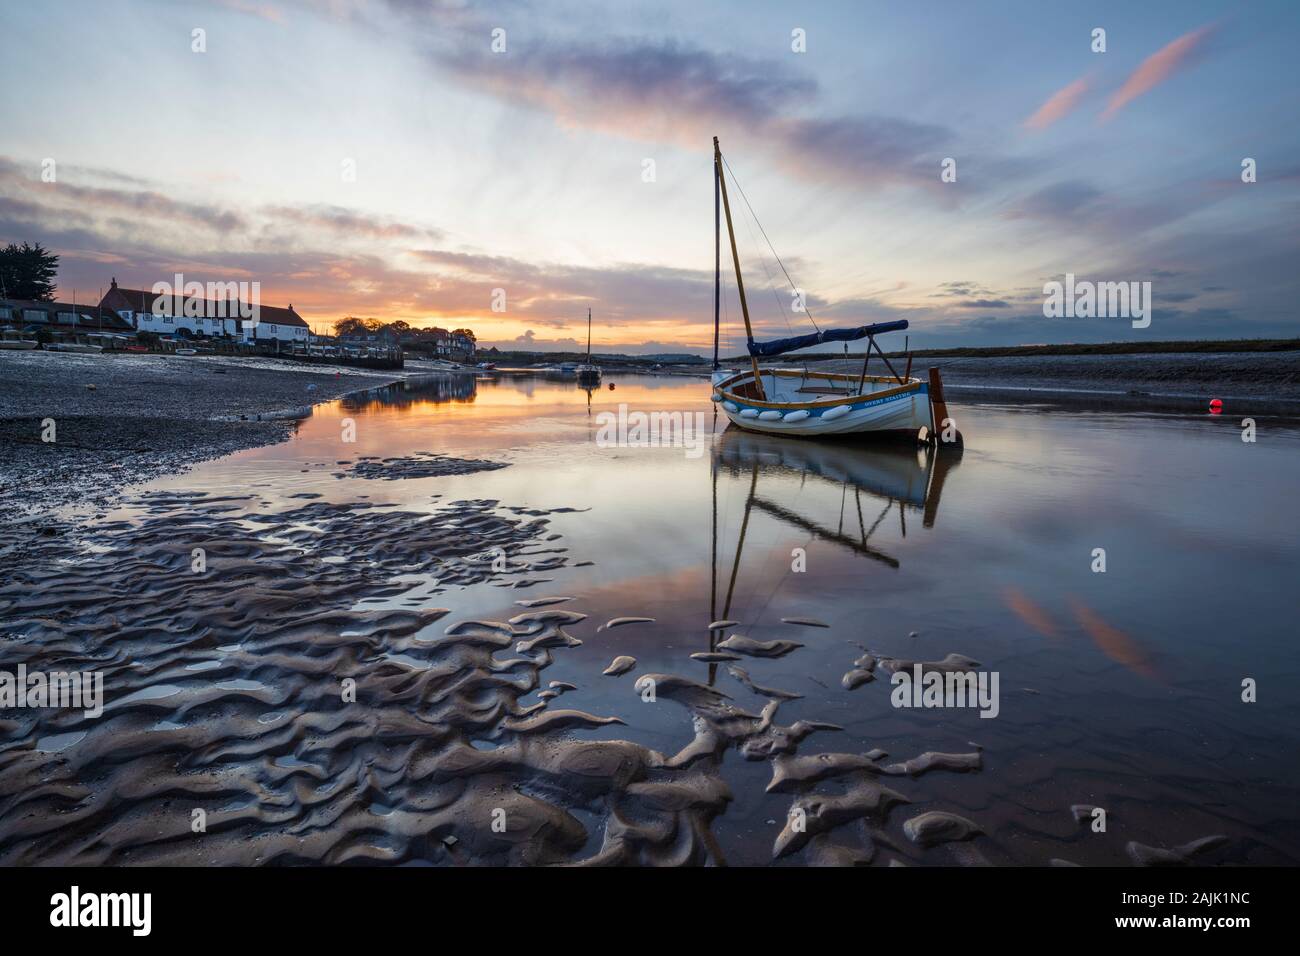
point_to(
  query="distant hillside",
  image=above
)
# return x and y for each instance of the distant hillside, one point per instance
(599, 358)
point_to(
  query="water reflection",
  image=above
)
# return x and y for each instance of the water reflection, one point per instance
(426, 390)
(873, 479)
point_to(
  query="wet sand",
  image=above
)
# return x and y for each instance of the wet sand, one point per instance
(308, 728)
(124, 419)
(515, 664)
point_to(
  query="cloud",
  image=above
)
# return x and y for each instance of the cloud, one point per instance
(1059, 105)
(529, 342)
(1157, 68)
(348, 221)
(862, 150)
(642, 90)
(332, 261)
(263, 10)
(984, 304)
(664, 91)
(1063, 200)
(75, 199)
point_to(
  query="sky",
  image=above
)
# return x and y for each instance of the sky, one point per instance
(382, 159)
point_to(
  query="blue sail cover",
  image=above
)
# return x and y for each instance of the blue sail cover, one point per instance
(781, 346)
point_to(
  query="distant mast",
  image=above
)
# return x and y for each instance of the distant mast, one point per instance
(589, 335)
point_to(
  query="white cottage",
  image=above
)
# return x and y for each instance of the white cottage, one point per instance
(146, 312)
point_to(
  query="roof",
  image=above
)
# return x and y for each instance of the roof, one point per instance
(92, 316)
(137, 300)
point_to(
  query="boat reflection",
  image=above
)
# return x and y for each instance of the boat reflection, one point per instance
(908, 476)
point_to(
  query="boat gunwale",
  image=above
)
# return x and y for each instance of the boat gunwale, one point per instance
(911, 385)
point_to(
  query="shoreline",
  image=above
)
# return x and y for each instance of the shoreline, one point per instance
(125, 420)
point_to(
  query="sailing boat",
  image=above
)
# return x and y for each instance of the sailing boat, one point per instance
(802, 402)
(588, 373)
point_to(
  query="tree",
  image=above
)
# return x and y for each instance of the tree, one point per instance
(27, 272)
(349, 326)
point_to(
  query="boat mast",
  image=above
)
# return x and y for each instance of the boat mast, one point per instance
(588, 335)
(735, 257)
(717, 260)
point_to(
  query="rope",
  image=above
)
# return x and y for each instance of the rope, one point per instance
(769, 241)
(762, 261)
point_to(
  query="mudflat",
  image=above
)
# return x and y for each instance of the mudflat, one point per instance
(122, 419)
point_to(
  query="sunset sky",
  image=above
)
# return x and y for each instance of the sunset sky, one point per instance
(524, 170)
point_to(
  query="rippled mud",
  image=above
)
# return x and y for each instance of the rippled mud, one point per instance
(292, 698)
(422, 465)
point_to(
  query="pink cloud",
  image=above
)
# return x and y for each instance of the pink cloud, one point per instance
(1058, 105)
(1157, 68)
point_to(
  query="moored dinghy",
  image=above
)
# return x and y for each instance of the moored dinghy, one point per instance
(804, 402)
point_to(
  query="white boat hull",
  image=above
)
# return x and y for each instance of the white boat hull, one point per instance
(896, 408)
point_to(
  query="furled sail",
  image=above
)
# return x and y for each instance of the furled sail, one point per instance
(781, 346)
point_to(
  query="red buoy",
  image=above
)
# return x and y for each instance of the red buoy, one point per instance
(1216, 406)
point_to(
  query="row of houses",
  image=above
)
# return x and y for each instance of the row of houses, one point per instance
(459, 345)
(24, 322)
(122, 314)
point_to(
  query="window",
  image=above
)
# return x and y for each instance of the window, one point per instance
(6, 313)
(35, 315)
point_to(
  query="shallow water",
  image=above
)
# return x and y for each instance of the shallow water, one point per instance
(1120, 689)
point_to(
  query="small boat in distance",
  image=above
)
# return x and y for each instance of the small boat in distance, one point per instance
(801, 402)
(588, 374)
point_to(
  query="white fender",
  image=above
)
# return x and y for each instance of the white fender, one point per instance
(731, 406)
(839, 411)
(771, 415)
(749, 413)
(716, 397)
(798, 415)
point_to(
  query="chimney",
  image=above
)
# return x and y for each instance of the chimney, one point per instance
(114, 285)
